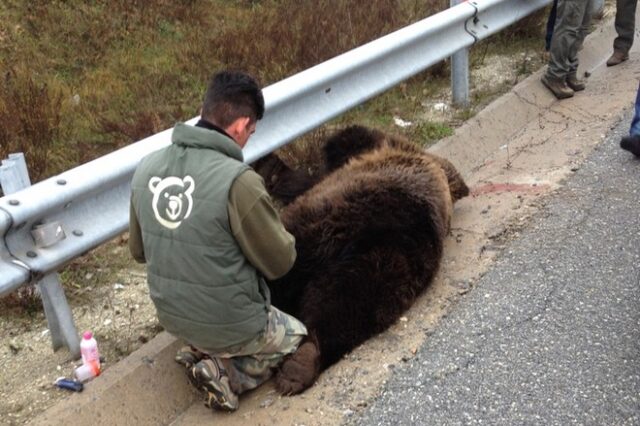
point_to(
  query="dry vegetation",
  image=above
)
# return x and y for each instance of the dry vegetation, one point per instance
(80, 79)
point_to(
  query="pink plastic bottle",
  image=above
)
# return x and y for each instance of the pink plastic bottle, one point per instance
(89, 350)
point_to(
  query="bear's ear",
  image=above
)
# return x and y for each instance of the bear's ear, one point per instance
(348, 143)
(153, 183)
(192, 185)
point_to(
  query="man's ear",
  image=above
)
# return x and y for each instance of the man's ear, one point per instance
(238, 127)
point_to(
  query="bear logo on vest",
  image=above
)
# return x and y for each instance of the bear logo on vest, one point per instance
(172, 201)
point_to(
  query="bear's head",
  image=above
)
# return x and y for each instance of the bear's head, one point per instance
(172, 201)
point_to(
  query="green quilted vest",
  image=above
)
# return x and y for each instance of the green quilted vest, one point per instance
(204, 289)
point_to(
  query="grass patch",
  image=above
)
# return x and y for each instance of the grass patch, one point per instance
(104, 74)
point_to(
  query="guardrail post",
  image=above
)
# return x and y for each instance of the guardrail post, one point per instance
(59, 316)
(460, 73)
(14, 176)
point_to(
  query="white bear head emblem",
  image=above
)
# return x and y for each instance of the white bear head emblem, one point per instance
(172, 201)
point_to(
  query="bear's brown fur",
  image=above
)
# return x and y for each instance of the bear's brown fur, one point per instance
(369, 238)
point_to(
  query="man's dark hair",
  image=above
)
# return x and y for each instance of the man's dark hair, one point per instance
(232, 95)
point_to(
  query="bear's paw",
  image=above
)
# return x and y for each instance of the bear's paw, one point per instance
(300, 370)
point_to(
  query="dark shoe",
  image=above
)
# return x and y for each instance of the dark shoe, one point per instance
(631, 144)
(575, 83)
(558, 87)
(617, 57)
(210, 376)
(189, 356)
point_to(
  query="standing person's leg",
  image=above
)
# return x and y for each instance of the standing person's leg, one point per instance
(572, 77)
(632, 142)
(568, 21)
(551, 22)
(635, 122)
(625, 26)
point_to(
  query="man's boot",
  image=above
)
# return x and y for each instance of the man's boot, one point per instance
(574, 82)
(631, 144)
(558, 86)
(617, 57)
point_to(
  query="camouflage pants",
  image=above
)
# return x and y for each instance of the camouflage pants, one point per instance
(251, 364)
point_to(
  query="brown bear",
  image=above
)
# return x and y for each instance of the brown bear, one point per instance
(369, 237)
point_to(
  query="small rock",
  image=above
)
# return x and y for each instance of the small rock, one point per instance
(107, 321)
(118, 286)
(266, 403)
(15, 347)
(440, 106)
(401, 123)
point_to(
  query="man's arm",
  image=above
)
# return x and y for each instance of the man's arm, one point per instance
(257, 227)
(135, 237)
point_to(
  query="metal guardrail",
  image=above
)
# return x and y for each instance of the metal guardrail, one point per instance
(91, 202)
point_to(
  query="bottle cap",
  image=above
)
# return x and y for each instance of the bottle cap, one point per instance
(87, 335)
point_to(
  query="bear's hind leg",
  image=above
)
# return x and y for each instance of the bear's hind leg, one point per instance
(300, 369)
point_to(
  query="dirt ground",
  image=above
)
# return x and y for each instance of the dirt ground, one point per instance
(122, 316)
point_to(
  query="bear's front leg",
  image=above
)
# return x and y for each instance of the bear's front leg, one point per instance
(300, 369)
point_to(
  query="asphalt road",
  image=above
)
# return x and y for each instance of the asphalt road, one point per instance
(550, 335)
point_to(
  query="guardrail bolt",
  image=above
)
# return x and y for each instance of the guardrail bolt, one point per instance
(61, 182)
(32, 254)
(77, 233)
(14, 202)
